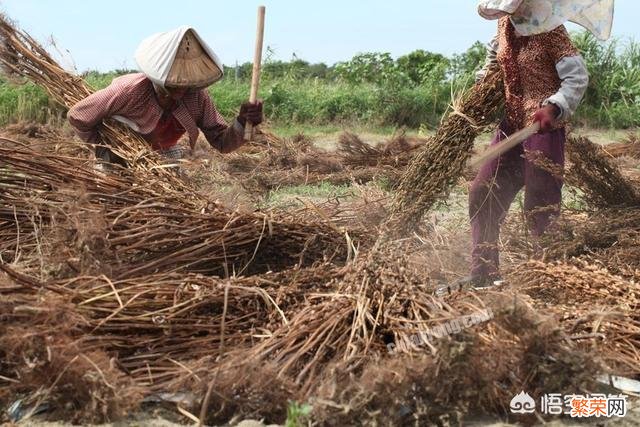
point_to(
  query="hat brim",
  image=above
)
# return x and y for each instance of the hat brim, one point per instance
(179, 59)
(192, 66)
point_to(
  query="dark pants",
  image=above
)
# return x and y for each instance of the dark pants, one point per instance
(497, 185)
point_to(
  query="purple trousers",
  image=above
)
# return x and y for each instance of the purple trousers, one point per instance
(496, 186)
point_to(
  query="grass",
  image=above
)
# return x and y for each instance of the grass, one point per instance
(313, 108)
(292, 196)
(317, 102)
(572, 199)
(297, 414)
(27, 100)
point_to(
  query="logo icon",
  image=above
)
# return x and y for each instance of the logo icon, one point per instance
(522, 404)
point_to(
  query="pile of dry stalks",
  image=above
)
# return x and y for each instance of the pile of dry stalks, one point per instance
(596, 308)
(296, 161)
(629, 147)
(59, 212)
(395, 153)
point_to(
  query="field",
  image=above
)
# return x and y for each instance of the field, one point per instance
(303, 279)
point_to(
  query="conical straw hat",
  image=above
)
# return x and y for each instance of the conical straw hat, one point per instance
(179, 58)
(192, 66)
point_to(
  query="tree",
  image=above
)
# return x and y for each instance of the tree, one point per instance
(366, 68)
(469, 62)
(422, 66)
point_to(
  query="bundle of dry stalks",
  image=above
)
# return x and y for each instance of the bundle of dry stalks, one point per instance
(442, 160)
(150, 320)
(22, 57)
(601, 181)
(349, 322)
(135, 223)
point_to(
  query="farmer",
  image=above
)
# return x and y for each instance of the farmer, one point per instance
(545, 79)
(166, 100)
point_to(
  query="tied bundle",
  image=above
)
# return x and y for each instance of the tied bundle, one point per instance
(598, 177)
(443, 159)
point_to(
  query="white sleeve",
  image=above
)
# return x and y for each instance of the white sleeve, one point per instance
(492, 58)
(575, 78)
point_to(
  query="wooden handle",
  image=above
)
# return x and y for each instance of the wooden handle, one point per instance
(504, 146)
(255, 76)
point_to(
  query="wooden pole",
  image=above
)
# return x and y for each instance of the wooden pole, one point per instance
(255, 76)
(504, 146)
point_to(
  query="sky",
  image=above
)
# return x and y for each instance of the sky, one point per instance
(103, 35)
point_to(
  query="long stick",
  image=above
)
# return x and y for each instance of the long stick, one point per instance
(255, 77)
(505, 145)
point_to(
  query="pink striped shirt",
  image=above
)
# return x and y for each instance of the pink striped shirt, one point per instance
(132, 99)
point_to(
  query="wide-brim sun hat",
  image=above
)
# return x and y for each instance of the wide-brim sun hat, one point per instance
(179, 59)
(531, 17)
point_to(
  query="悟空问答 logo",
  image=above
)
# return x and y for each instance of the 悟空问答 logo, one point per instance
(522, 404)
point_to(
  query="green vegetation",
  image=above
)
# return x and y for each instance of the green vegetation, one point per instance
(374, 89)
(25, 101)
(297, 414)
(613, 98)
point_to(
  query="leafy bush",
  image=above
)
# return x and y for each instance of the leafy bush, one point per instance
(613, 97)
(413, 90)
